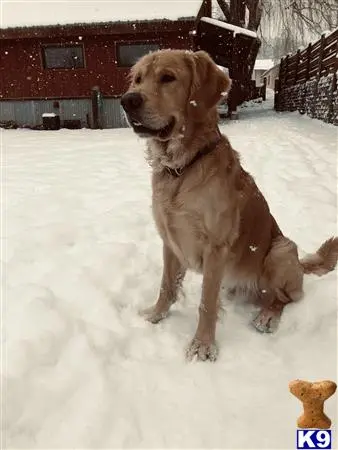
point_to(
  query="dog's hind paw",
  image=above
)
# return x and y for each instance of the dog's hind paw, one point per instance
(202, 350)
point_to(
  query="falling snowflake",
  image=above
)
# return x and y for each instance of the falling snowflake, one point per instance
(253, 248)
(193, 103)
(6, 53)
(80, 38)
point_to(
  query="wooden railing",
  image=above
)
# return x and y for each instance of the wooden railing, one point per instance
(312, 64)
(317, 60)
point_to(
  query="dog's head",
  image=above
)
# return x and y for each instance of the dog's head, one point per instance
(169, 88)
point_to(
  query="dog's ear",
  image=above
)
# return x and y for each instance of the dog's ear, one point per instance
(208, 83)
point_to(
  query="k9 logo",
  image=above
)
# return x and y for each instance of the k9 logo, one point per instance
(317, 439)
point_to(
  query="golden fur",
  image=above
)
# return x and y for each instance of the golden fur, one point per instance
(212, 218)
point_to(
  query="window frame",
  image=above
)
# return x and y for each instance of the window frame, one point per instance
(129, 43)
(62, 45)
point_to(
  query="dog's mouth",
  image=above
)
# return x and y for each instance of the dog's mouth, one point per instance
(160, 133)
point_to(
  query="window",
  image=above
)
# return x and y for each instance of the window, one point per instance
(128, 54)
(63, 57)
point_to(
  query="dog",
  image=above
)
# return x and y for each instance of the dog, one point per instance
(208, 210)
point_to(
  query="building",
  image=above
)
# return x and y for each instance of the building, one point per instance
(271, 76)
(79, 70)
(260, 67)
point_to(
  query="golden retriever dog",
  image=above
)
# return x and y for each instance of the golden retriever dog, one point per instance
(210, 214)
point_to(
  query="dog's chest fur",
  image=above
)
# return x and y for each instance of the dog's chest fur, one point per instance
(188, 220)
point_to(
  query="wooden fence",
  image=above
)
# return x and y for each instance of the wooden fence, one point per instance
(308, 80)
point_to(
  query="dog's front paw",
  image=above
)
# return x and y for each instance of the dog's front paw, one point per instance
(267, 321)
(202, 350)
(153, 314)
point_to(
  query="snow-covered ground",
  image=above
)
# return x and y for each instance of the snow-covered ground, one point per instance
(81, 368)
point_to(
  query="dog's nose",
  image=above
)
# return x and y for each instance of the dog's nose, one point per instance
(131, 101)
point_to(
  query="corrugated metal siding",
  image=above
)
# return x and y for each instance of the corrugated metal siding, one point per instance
(40, 107)
(30, 112)
(6, 111)
(20, 112)
(113, 116)
(75, 110)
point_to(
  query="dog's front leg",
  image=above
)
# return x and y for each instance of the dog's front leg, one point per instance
(204, 345)
(172, 277)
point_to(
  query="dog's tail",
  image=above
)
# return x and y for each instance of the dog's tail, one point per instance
(324, 260)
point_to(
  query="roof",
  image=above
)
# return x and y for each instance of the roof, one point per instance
(131, 28)
(229, 26)
(268, 71)
(17, 13)
(263, 64)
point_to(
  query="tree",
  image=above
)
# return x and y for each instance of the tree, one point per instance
(283, 25)
(243, 13)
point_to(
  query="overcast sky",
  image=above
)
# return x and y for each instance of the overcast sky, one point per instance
(42, 12)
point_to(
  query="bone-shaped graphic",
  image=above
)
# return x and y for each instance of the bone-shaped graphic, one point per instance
(313, 396)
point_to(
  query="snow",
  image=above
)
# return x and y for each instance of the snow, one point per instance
(82, 369)
(229, 26)
(263, 64)
(327, 33)
(41, 12)
(48, 115)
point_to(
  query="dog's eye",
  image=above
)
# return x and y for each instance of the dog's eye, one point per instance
(138, 79)
(167, 78)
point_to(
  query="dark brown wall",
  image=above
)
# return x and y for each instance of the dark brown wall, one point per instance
(22, 75)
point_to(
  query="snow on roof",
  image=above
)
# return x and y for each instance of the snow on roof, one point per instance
(229, 26)
(52, 12)
(276, 66)
(263, 64)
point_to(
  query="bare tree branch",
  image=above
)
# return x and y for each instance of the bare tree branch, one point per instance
(289, 24)
(255, 9)
(225, 9)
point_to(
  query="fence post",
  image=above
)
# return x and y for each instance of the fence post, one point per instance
(281, 78)
(264, 89)
(286, 68)
(285, 105)
(277, 93)
(321, 54)
(331, 99)
(297, 64)
(96, 96)
(320, 64)
(308, 60)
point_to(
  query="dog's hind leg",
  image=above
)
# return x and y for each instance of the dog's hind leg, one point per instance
(281, 283)
(172, 277)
